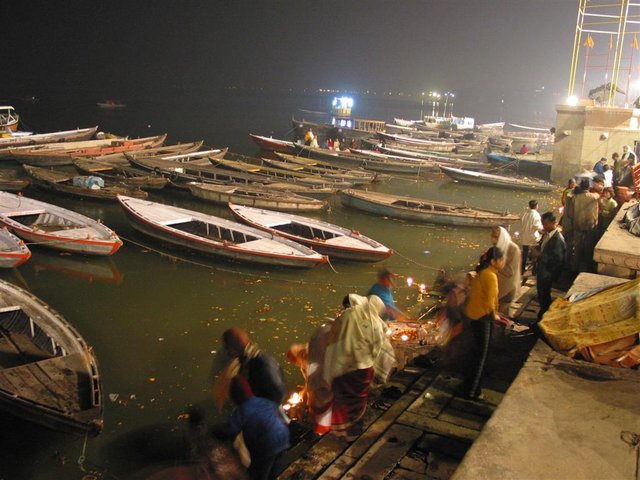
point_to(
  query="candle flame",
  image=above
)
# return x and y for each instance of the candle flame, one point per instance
(409, 281)
(423, 288)
(295, 398)
(404, 338)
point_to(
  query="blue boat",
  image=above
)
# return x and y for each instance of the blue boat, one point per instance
(522, 166)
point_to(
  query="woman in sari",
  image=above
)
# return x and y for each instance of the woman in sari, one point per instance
(344, 358)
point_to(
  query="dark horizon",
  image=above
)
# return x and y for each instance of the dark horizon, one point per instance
(485, 51)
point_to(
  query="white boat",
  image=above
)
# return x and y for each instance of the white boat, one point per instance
(211, 235)
(56, 227)
(13, 251)
(323, 237)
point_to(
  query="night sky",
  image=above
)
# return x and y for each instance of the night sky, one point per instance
(481, 49)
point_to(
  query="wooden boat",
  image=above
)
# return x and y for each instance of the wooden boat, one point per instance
(216, 236)
(418, 209)
(120, 158)
(490, 180)
(273, 144)
(64, 156)
(56, 227)
(355, 177)
(196, 158)
(111, 105)
(329, 166)
(272, 172)
(52, 137)
(179, 174)
(12, 181)
(8, 119)
(63, 182)
(126, 174)
(350, 160)
(13, 251)
(48, 373)
(323, 237)
(255, 197)
(540, 169)
(406, 140)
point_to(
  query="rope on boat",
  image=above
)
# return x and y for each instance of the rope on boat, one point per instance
(428, 267)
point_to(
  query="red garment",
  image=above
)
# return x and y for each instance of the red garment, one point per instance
(524, 149)
(350, 392)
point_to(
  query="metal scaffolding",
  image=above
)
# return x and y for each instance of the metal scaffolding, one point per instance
(604, 44)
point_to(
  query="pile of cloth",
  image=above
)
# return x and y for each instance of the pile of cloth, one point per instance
(601, 327)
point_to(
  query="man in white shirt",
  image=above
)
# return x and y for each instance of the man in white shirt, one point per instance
(531, 230)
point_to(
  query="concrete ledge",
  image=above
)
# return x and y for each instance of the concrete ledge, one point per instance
(561, 418)
(618, 251)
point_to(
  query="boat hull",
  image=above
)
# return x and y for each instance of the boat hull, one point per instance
(351, 199)
(496, 181)
(217, 249)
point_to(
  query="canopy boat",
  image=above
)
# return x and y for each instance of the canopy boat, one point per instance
(490, 180)
(255, 197)
(323, 237)
(41, 138)
(48, 373)
(418, 209)
(540, 169)
(216, 236)
(355, 177)
(13, 251)
(79, 185)
(125, 174)
(8, 119)
(56, 227)
(64, 156)
(273, 144)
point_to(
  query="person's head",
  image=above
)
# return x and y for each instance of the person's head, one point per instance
(609, 193)
(625, 148)
(492, 257)
(385, 277)
(597, 184)
(605, 168)
(496, 233)
(240, 390)
(603, 160)
(533, 204)
(615, 156)
(584, 184)
(235, 341)
(571, 183)
(548, 221)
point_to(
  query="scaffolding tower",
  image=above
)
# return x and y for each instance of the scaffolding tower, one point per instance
(605, 44)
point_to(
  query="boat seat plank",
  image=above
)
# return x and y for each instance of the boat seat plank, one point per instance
(53, 382)
(27, 351)
(267, 245)
(79, 233)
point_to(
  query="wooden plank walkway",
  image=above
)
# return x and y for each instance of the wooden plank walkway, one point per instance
(427, 430)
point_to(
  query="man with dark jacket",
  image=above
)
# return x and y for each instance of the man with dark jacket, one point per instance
(550, 262)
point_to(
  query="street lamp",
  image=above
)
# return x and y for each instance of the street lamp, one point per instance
(447, 96)
(435, 97)
(422, 107)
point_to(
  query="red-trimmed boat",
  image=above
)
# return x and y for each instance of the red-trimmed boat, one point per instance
(56, 227)
(273, 144)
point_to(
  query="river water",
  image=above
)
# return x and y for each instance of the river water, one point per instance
(154, 315)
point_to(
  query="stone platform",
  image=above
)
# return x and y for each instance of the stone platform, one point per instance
(618, 251)
(562, 418)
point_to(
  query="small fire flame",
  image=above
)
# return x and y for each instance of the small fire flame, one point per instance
(409, 281)
(423, 288)
(404, 338)
(295, 399)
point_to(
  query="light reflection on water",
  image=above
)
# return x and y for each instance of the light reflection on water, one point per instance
(155, 320)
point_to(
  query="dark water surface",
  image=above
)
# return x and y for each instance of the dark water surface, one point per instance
(154, 315)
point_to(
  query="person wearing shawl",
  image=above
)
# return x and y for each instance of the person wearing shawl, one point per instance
(344, 358)
(509, 276)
